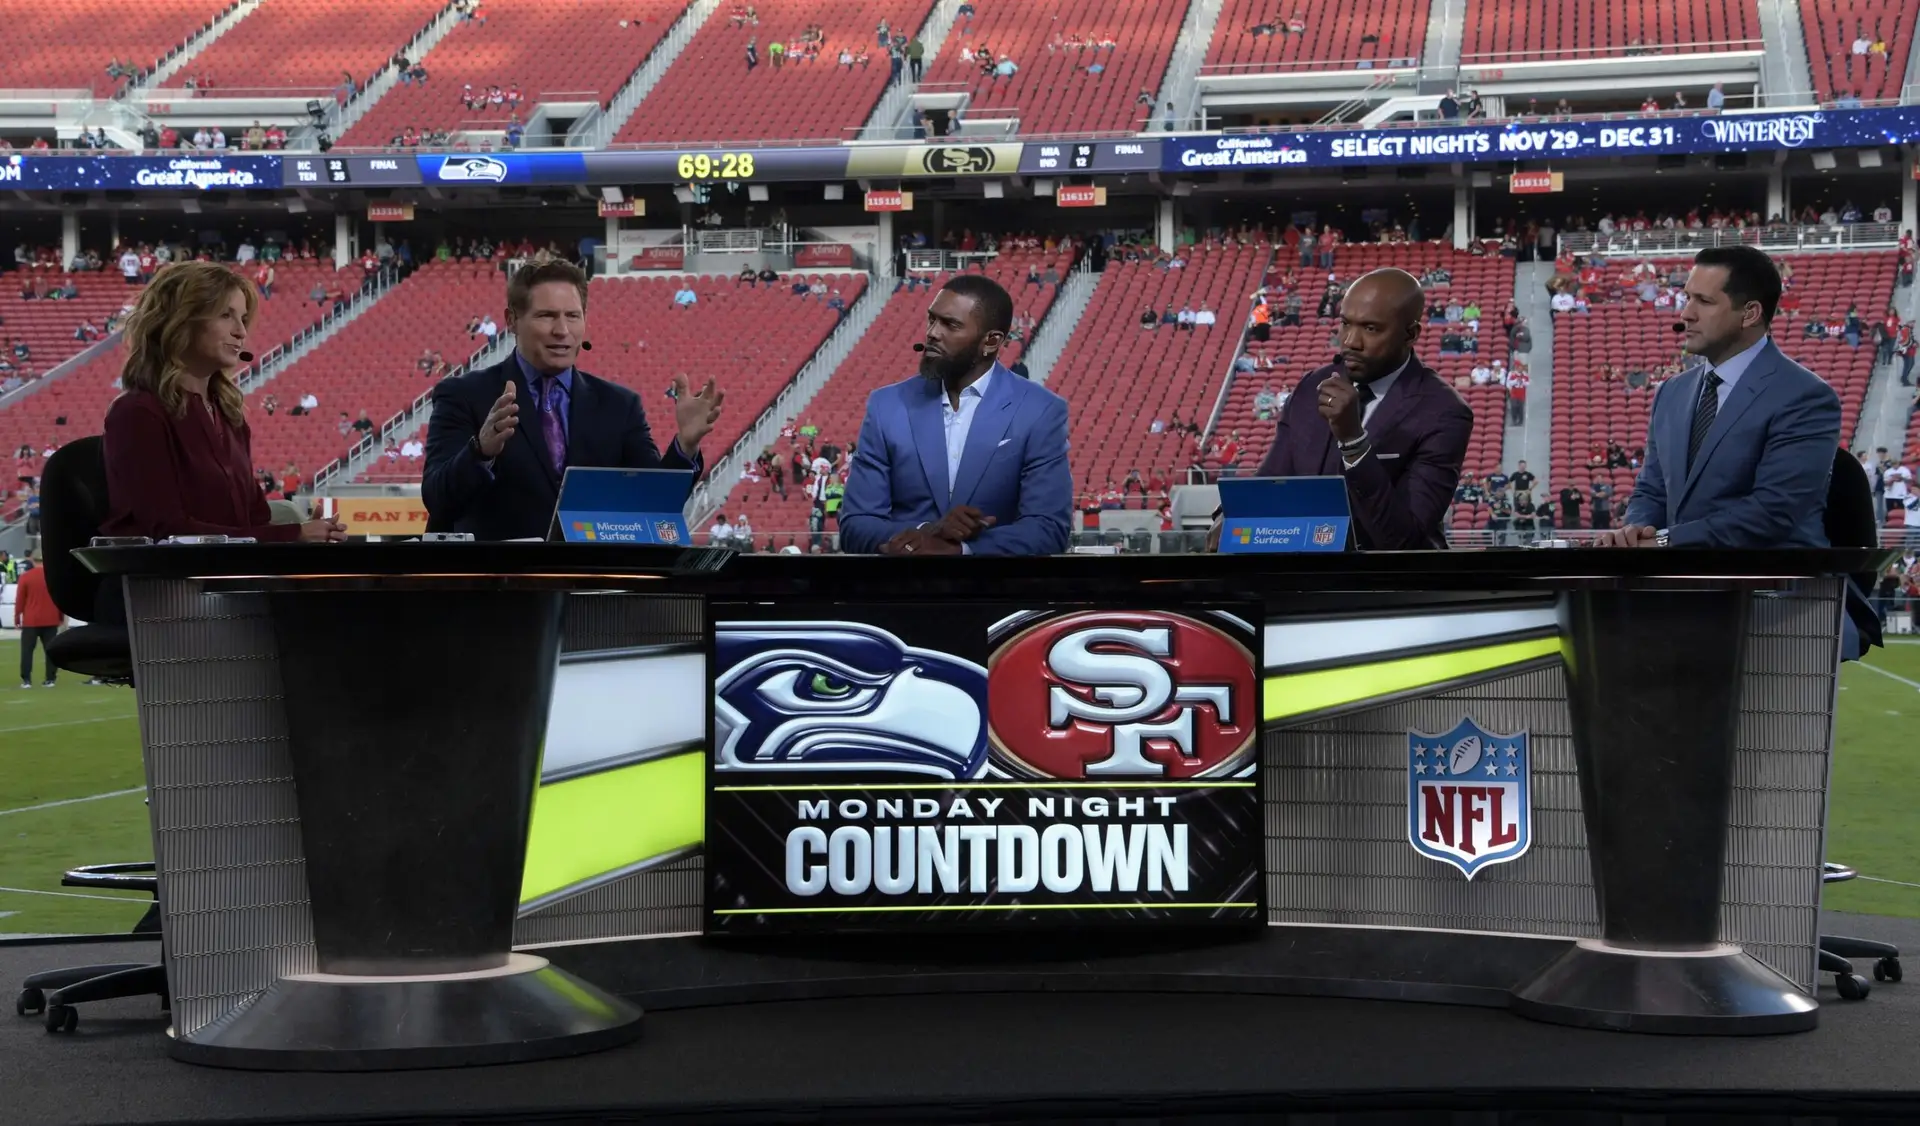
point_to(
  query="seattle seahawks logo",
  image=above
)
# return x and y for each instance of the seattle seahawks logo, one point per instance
(824, 696)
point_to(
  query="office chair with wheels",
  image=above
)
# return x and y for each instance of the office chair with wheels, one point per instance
(1850, 523)
(73, 502)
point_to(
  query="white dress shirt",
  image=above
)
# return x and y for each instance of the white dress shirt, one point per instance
(1735, 367)
(958, 423)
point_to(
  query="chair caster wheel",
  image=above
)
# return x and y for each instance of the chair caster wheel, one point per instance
(1852, 987)
(31, 1002)
(1887, 969)
(62, 1018)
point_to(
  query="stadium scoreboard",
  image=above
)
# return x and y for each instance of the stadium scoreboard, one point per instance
(1295, 150)
(350, 171)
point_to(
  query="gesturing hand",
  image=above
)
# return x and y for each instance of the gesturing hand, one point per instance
(1339, 403)
(695, 414)
(497, 430)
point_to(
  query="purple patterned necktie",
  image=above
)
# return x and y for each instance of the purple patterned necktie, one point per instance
(550, 427)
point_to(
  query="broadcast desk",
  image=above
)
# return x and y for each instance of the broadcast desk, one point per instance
(428, 804)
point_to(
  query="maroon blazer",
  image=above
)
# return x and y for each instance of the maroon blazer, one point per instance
(182, 475)
(1400, 492)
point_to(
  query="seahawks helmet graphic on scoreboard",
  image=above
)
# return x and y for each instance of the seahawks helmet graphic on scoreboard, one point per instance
(820, 696)
(1469, 796)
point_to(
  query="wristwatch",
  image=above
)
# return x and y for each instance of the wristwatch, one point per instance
(473, 445)
(1660, 537)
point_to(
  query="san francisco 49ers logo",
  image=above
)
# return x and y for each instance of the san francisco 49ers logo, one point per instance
(1122, 694)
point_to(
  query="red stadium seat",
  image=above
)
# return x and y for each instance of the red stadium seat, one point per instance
(1531, 30)
(67, 44)
(1336, 38)
(303, 47)
(708, 95)
(1052, 91)
(572, 52)
(1831, 26)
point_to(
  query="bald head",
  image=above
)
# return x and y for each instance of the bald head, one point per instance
(1380, 318)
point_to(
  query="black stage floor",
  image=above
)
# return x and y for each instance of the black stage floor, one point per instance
(1032, 1057)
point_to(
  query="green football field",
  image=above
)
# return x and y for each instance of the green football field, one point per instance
(70, 777)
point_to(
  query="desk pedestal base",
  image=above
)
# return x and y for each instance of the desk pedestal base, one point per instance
(525, 1010)
(1721, 991)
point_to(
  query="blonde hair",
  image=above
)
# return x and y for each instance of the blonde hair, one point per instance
(160, 330)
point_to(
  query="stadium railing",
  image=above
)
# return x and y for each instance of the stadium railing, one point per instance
(1219, 70)
(1483, 59)
(1791, 237)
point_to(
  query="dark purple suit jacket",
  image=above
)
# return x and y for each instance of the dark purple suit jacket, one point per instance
(1400, 492)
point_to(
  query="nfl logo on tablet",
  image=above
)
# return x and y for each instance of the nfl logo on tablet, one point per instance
(1469, 796)
(1323, 534)
(666, 531)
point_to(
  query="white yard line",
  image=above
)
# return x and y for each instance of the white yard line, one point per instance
(63, 723)
(69, 895)
(75, 801)
(1914, 684)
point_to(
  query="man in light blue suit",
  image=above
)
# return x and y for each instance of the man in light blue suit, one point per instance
(1740, 448)
(966, 458)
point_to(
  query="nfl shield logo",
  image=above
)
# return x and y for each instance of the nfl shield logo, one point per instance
(1469, 796)
(1322, 534)
(666, 531)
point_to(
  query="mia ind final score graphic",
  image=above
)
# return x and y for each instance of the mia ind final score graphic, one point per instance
(887, 768)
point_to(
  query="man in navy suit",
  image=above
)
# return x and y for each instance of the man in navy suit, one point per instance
(1740, 448)
(1379, 418)
(488, 475)
(966, 458)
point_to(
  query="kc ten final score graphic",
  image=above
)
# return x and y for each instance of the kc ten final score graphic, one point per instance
(903, 767)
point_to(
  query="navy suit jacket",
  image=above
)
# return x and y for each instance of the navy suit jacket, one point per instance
(1760, 477)
(1399, 493)
(1014, 467)
(606, 428)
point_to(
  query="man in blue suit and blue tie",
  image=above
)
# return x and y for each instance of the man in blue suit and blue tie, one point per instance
(967, 458)
(1740, 448)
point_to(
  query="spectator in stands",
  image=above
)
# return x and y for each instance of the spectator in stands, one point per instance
(753, 55)
(488, 328)
(1183, 320)
(1906, 346)
(685, 297)
(363, 424)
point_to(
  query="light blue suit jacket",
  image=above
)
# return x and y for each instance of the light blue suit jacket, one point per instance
(1014, 468)
(1760, 478)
